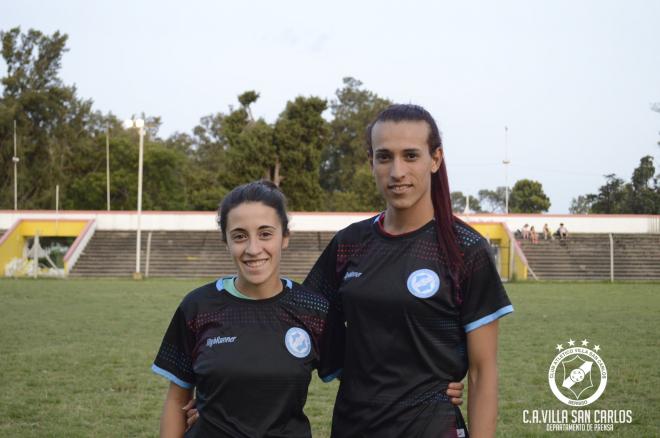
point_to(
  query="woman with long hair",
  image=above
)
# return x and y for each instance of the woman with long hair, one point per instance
(414, 298)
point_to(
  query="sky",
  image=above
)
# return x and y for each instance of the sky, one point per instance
(573, 81)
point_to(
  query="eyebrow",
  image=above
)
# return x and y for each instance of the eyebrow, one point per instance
(405, 151)
(261, 227)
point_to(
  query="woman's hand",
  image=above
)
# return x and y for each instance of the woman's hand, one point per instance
(192, 415)
(455, 393)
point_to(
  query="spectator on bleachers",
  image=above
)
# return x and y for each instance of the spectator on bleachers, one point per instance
(562, 231)
(547, 234)
(533, 235)
(525, 232)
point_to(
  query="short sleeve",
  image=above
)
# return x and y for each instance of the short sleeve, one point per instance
(174, 358)
(325, 279)
(483, 295)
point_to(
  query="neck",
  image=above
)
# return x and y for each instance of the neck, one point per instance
(400, 221)
(267, 289)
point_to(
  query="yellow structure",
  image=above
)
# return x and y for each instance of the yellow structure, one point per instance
(12, 243)
(511, 262)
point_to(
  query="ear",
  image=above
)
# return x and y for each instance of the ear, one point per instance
(285, 242)
(437, 158)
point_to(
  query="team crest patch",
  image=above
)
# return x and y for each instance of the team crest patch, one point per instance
(423, 283)
(297, 342)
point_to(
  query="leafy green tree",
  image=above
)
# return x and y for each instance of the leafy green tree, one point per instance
(527, 196)
(299, 136)
(493, 201)
(344, 157)
(52, 121)
(458, 202)
(581, 204)
(611, 197)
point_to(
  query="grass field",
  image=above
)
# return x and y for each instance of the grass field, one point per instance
(75, 355)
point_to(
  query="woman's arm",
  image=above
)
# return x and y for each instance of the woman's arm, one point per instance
(173, 419)
(482, 380)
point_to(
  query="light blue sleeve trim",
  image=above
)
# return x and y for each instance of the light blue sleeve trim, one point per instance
(289, 283)
(330, 377)
(171, 377)
(488, 318)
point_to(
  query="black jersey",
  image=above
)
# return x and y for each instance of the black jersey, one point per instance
(250, 361)
(398, 328)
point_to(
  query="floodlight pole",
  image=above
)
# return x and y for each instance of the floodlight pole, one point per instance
(506, 163)
(107, 165)
(15, 160)
(139, 124)
(137, 274)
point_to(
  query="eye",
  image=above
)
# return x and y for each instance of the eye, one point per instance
(238, 237)
(411, 156)
(265, 234)
(382, 157)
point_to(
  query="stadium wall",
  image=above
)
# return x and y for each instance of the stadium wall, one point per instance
(302, 221)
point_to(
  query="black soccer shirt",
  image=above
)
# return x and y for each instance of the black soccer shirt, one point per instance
(397, 328)
(250, 361)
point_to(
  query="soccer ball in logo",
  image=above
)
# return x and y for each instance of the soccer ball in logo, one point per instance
(577, 375)
(297, 342)
(423, 283)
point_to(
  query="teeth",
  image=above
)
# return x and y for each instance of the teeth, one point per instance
(255, 263)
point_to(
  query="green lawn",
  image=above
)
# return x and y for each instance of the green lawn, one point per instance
(75, 355)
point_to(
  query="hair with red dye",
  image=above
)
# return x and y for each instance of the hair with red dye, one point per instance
(440, 195)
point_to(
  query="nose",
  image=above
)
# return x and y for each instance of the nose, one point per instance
(398, 169)
(253, 247)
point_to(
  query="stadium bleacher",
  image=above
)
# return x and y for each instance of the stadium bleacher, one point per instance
(587, 257)
(185, 254)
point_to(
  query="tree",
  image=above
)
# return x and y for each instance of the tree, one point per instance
(52, 122)
(527, 196)
(493, 201)
(458, 203)
(299, 136)
(581, 204)
(344, 157)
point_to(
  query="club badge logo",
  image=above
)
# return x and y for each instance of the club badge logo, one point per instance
(297, 342)
(577, 375)
(423, 283)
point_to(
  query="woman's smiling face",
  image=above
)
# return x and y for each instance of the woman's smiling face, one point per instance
(255, 239)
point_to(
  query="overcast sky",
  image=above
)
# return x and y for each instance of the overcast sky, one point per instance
(572, 80)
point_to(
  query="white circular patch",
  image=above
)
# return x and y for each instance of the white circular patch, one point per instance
(297, 342)
(423, 283)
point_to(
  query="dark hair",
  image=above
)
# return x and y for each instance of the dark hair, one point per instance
(262, 191)
(444, 218)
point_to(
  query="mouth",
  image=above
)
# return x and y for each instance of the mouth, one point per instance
(254, 264)
(399, 188)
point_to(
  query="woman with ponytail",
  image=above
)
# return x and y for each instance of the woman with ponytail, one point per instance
(414, 298)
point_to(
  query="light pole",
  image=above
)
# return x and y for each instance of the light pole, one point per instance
(15, 160)
(506, 170)
(107, 165)
(139, 124)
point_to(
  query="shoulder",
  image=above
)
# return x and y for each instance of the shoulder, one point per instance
(356, 231)
(467, 236)
(308, 299)
(197, 297)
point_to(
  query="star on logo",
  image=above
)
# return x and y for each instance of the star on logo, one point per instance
(585, 343)
(571, 342)
(597, 348)
(559, 347)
